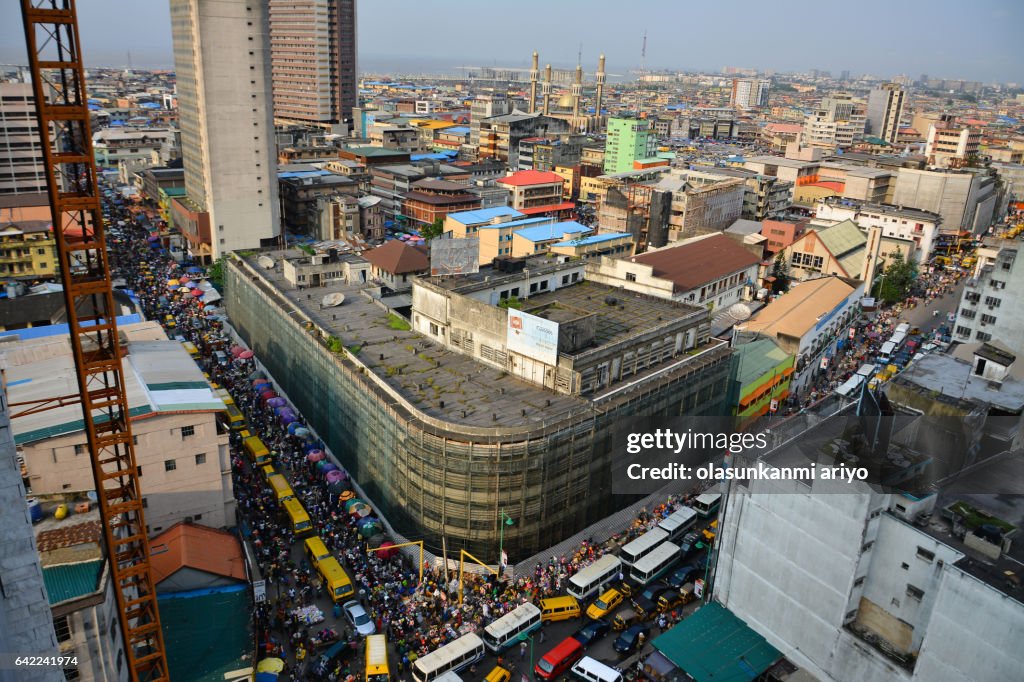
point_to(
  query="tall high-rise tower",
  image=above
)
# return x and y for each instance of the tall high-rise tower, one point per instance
(545, 89)
(222, 60)
(534, 75)
(600, 86)
(885, 109)
(313, 60)
(22, 169)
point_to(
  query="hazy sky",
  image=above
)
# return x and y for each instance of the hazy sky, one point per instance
(971, 39)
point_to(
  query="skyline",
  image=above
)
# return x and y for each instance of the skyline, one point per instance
(757, 42)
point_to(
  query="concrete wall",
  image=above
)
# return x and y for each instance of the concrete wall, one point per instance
(25, 623)
(96, 638)
(191, 489)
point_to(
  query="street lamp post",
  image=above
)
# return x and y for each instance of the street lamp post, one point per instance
(503, 520)
(523, 636)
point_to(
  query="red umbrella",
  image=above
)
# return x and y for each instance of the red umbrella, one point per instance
(268, 394)
(237, 350)
(245, 355)
(196, 292)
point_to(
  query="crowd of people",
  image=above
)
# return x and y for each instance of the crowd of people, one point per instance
(417, 617)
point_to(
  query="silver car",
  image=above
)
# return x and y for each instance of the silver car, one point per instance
(358, 617)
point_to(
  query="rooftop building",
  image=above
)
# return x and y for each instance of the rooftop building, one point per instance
(446, 419)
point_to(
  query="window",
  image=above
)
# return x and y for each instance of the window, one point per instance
(79, 449)
(62, 628)
(135, 440)
(988, 319)
(905, 566)
(963, 331)
(982, 336)
(630, 276)
(967, 313)
(138, 471)
(925, 554)
(170, 465)
(187, 431)
(993, 301)
(433, 329)
(996, 284)
(858, 582)
(145, 503)
(201, 458)
(914, 592)
(41, 252)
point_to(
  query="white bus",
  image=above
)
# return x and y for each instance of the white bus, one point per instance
(866, 371)
(591, 579)
(450, 658)
(707, 504)
(888, 348)
(678, 523)
(898, 338)
(656, 563)
(503, 632)
(642, 546)
(850, 386)
(902, 328)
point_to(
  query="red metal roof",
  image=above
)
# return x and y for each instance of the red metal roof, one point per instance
(530, 177)
(548, 208)
(398, 258)
(692, 265)
(199, 547)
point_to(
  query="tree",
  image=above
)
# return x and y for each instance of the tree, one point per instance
(780, 271)
(216, 272)
(436, 229)
(896, 280)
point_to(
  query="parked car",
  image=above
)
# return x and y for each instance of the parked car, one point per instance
(684, 574)
(592, 631)
(646, 603)
(358, 617)
(626, 643)
(690, 544)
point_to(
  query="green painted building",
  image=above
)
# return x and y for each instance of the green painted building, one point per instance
(629, 139)
(762, 373)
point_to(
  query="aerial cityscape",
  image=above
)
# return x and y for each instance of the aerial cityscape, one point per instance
(339, 342)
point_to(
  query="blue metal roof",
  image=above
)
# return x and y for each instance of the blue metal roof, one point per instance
(304, 174)
(594, 239)
(457, 130)
(483, 215)
(543, 233)
(518, 223)
(62, 329)
(439, 156)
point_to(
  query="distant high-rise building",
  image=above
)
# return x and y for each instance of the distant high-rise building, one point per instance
(750, 93)
(950, 144)
(222, 60)
(629, 139)
(885, 109)
(844, 75)
(313, 60)
(837, 122)
(22, 170)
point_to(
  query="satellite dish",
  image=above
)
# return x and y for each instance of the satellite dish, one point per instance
(265, 262)
(740, 311)
(331, 300)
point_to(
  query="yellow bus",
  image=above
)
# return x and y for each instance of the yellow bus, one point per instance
(316, 550)
(337, 580)
(268, 471)
(235, 418)
(257, 450)
(282, 491)
(301, 525)
(377, 659)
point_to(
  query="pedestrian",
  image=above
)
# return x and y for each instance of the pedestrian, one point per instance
(522, 650)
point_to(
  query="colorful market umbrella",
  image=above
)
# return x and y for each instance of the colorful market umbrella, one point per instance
(246, 355)
(315, 456)
(286, 419)
(277, 402)
(196, 293)
(268, 394)
(346, 495)
(236, 350)
(173, 284)
(363, 511)
(370, 529)
(292, 428)
(387, 550)
(302, 432)
(329, 467)
(333, 476)
(352, 502)
(183, 290)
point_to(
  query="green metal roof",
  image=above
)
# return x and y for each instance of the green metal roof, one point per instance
(71, 426)
(206, 635)
(69, 581)
(713, 645)
(842, 238)
(759, 357)
(177, 385)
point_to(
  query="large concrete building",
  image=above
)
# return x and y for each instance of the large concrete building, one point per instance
(22, 170)
(897, 222)
(989, 309)
(951, 145)
(966, 200)
(25, 619)
(222, 64)
(855, 584)
(701, 202)
(885, 111)
(481, 407)
(181, 448)
(629, 139)
(838, 122)
(313, 61)
(750, 93)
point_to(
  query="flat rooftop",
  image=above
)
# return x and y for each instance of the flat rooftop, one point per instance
(629, 315)
(439, 382)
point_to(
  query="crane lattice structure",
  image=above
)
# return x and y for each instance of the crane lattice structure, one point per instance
(62, 109)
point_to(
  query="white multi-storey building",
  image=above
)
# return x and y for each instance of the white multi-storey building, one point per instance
(920, 227)
(222, 61)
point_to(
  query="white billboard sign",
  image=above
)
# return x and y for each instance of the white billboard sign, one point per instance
(532, 336)
(455, 256)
